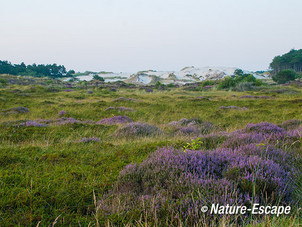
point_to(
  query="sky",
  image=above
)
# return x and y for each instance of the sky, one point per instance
(134, 35)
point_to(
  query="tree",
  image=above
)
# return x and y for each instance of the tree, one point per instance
(290, 60)
(53, 70)
(238, 72)
(97, 77)
(284, 76)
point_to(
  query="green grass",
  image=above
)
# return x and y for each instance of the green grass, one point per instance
(45, 173)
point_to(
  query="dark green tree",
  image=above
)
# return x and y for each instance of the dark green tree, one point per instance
(291, 60)
(97, 77)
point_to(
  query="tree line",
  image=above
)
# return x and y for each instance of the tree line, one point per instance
(291, 60)
(49, 70)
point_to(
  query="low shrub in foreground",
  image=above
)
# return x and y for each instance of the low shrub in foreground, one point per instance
(137, 129)
(174, 184)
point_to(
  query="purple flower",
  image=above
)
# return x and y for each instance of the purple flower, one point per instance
(137, 129)
(61, 113)
(115, 120)
(90, 139)
(246, 97)
(29, 123)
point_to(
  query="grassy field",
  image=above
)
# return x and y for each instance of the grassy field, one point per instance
(48, 177)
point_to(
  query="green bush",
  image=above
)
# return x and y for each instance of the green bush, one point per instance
(97, 77)
(227, 82)
(247, 80)
(284, 76)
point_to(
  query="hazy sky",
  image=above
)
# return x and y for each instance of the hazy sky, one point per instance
(132, 35)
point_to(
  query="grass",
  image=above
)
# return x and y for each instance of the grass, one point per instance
(47, 177)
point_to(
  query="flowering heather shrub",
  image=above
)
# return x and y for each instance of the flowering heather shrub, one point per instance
(238, 138)
(68, 90)
(115, 120)
(174, 182)
(213, 140)
(185, 122)
(137, 129)
(265, 128)
(271, 132)
(187, 131)
(90, 139)
(29, 123)
(61, 113)
(89, 92)
(296, 133)
(266, 177)
(44, 121)
(290, 124)
(125, 99)
(191, 126)
(205, 127)
(267, 152)
(16, 110)
(246, 97)
(258, 133)
(149, 90)
(69, 120)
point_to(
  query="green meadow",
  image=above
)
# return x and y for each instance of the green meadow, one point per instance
(48, 177)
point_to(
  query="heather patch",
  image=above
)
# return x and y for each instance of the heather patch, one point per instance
(125, 99)
(89, 140)
(291, 124)
(246, 97)
(15, 110)
(137, 129)
(180, 183)
(115, 120)
(296, 133)
(46, 172)
(258, 133)
(238, 138)
(191, 126)
(186, 130)
(68, 120)
(62, 113)
(30, 123)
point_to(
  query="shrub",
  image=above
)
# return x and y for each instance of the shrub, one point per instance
(191, 126)
(16, 110)
(97, 77)
(290, 124)
(137, 129)
(89, 140)
(227, 82)
(61, 113)
(284, 76)
(115, 120)
(172, 182)
(29, 123)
